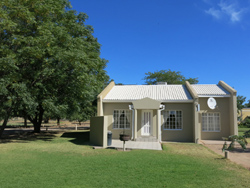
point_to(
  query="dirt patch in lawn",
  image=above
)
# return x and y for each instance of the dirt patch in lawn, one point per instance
(238, 155)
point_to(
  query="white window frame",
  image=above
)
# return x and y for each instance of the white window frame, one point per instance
(209, 121)
(166, 116)
(119, 123)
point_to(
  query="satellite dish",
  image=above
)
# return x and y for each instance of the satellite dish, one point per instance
(211, 102)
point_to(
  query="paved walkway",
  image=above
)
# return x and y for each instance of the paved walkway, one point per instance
(238, 155)
(136, 145)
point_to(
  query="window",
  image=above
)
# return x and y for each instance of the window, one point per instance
(211, 122)
(172, 119)
(122, 119)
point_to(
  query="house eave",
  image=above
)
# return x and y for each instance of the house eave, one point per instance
(215, 96)
(162, 101)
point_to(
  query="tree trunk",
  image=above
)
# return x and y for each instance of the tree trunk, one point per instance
(58, 121)
(37, 120)
(25, 121)
(46, 120)
(37, 127)
(5, 122)
(3, 126)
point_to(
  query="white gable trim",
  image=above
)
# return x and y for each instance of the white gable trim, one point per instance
(214, 96)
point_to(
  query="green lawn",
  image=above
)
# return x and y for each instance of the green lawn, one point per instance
(242, 130)
(64, 160)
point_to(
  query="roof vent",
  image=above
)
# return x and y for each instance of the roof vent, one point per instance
(162, 83)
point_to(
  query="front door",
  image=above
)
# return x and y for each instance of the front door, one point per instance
(147, 116)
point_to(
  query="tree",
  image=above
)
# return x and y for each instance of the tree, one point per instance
(50, 55)
(247, 105)
(240, 102)
(171, 77)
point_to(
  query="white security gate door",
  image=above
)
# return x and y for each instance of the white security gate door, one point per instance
(146, 122)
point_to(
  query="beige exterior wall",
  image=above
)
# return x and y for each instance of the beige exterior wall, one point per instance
(186, 134)
(98, 131)
(146, 103)
(196, 128)
(108, 110)
(224, 110)
(101, 96)
(245, 112)
(232, 108)
(233, 115)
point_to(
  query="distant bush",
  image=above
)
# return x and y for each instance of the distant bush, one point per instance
(247, 134)
(245, 123)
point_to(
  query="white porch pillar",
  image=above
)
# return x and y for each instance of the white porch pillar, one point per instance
(135, 125)
(159, 125)
(162, 107)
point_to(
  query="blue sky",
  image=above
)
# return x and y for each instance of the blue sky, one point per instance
(207, 39)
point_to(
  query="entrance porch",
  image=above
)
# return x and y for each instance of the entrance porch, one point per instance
(146, 120)
(136, 145)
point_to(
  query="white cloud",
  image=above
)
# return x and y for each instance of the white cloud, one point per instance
(228, 10)
(231, 11)
(215, 13)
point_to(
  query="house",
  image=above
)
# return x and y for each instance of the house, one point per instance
(166, 112)
(245, 114)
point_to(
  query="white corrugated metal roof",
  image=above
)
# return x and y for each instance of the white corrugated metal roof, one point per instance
(210, 89)
(156, 92)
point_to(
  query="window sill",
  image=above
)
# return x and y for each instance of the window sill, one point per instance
(172, 129)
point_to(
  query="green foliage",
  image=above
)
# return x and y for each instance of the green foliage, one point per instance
(84, 113)
(247, 134)
(171, 77)
(224, 146)
(245, 123)
(240, 102)
(235, 138)
(49, 60)
(247, 105)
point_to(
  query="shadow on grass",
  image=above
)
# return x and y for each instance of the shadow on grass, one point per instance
(240, 150)
(79, 138)
(21, 136)
(220, 158)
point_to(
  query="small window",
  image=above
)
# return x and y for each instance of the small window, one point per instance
(172, 119)
(210, 122)
(122, 119)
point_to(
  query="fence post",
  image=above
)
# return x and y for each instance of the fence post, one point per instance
(226, 154)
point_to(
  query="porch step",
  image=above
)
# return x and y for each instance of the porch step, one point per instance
(147, 139)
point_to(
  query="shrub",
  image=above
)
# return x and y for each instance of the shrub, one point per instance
(235, 138)
(247, 134)
(245, 123)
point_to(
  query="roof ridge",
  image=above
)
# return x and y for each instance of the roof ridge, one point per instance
(202, 84)
(155, 85)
